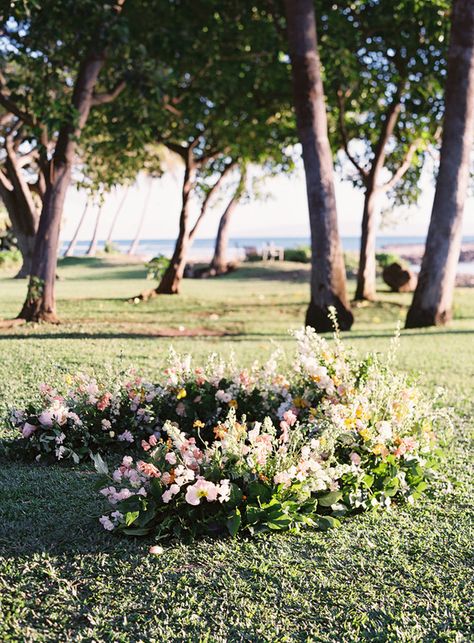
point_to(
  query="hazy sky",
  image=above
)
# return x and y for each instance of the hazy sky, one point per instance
(284, 214)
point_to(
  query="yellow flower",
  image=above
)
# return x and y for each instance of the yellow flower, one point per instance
(365, 434)
(198, 424)
(349, 422)
(181, 394)
(336, 380)
(233, 404)
(300, 403)
(378, 449)
(313, 411)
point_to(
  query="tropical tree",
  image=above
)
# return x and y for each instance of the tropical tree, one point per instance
(328, 277)
(384, 64)
(50, 84)
(432, 301)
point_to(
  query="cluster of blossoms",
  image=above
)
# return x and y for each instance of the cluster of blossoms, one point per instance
(92, 417)
(220, 448)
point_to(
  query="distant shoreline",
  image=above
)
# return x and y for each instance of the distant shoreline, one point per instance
(413, 253)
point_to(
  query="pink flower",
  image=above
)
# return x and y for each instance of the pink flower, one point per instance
(104, 402)
(355, 458)
(156, 550)
(46, 418)
(201, 489)
(170, 458)
(106, 523)
(145, 445)
(153, 441)
(283, 478)
(169, 493)
(284, 437)
(290, 417)
(181, 409)
(28, 430)
(148, 469)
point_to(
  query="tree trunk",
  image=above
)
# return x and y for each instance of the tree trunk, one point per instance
(432, 301)
(72, 245)
(134, 245)
(92, 249)
(40, 303)
(21, 207)
(328, 278)
(219, 261)
(171, 280)
(116, 216)
(366, 276)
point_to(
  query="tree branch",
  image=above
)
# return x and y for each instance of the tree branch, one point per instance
(15, 110)
(345, 140)
(388, 128)
(208, 197)
(5, 181)
(107, 97)
(403, 167)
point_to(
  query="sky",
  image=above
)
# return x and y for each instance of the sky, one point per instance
(284, 214)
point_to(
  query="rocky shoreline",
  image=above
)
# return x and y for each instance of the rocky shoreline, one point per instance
(413, 254)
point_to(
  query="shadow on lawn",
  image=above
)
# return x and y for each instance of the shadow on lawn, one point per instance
(237, 336)
(51, 509)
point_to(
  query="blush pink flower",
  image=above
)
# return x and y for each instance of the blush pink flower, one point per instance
(148, 469)
(201, 489)
(170, 457)
(289, 417)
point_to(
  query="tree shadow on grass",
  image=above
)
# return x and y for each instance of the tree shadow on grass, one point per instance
(49, 509)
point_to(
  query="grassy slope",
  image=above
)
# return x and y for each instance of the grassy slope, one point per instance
(399, 576)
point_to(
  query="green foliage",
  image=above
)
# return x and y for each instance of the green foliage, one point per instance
(376, 54)
(384, 259)
(157, 267)
(302, 254)
(9, 258)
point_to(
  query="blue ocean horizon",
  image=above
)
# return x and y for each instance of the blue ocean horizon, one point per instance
(205, 247)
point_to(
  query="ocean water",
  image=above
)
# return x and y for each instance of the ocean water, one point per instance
(202, 249)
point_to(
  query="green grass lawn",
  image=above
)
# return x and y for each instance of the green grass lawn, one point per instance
(404, 575)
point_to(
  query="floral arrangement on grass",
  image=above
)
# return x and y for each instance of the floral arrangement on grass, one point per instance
(219, 449)
(89, 417)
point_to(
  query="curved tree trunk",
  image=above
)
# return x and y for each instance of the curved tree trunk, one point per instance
(92, 249)
(432, 301)
(171, 280)
(134, 245)
(116, 216)
(366, 276)
(72, 245)
(40, 303)
(21, 207)
(219, 261)
(328, 277)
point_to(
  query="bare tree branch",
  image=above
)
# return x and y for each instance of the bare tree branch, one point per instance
(345, 139)
(208, 197)
(107, 97)
(5, 181)
(403, 167)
